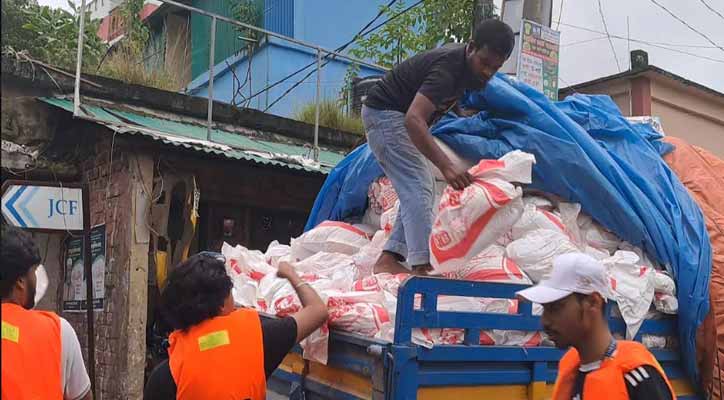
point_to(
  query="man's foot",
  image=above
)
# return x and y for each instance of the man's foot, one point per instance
(389, 263)
(422, 270)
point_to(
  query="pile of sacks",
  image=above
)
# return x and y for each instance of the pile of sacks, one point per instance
(488, 232)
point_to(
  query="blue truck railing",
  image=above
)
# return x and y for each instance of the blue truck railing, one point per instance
(362, 368)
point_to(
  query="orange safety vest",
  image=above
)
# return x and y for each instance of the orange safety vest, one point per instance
(31, 354)
(220, 358)
(607, 382)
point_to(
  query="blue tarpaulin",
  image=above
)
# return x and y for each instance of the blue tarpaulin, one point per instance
(586, 152)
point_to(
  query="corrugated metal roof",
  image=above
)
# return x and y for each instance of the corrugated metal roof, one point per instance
(192, 136)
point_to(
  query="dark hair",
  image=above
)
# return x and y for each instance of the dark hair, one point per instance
(195, 291)
(496, 35)
(19, 255)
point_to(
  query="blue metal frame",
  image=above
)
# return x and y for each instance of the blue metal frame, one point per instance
(413, 366)
(408, 367)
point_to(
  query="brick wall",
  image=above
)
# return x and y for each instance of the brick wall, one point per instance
(109, 204)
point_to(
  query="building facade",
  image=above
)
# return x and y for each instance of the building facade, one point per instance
(159, 189)
(245, 67)
(687, 110)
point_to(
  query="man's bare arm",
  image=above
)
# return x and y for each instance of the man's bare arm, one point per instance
(313, 312)
(416, 119)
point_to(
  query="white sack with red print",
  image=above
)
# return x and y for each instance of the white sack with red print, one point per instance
(381, 197)
(491, 265)
(633, 288)
(358, 312)
(329, 237)
(240, 260)
(472, 219)
(537, 218)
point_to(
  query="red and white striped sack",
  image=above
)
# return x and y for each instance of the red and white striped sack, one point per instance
(472, 219)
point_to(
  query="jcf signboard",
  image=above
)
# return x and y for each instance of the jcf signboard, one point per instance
(43, 207)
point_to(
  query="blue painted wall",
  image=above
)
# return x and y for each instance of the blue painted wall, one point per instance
(331, 23)
(272, 62)
(328, 23)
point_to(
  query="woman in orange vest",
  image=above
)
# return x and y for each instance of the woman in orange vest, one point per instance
(597, 366)
(41, 356)
(215, 351)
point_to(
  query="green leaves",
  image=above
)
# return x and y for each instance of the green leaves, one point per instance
(424, 27)
(249, 12)
(49, 34)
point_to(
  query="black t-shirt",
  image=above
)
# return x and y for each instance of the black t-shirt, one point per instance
(278, 335)
(441, 74)
(642, 383)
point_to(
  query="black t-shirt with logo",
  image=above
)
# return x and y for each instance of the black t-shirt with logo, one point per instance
(442, 75)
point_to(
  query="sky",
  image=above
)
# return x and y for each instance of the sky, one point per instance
(586, 55)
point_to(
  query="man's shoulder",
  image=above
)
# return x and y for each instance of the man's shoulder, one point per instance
(449, 48)
(633, 354)
(66, 328)
(448, 53)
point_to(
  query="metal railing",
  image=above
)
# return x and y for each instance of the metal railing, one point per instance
(214, 18)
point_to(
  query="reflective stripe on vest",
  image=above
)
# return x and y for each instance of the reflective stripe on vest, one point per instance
(607, 382)
(31, 353)
(222, 357)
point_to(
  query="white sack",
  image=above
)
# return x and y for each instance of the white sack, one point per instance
(666, 303)
(535, 218)
(597, 236)
(240, 260)
(664, 284)
(534, 253)
(633, 288)
(470, 220)
(491, 266)
(538, 201)
(276, 251)
(329, 237)
(367, 257)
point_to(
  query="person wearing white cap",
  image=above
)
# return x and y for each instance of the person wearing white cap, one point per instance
(596, 366)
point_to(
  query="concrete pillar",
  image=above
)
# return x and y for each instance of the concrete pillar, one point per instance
(141, 166)
(640, 96)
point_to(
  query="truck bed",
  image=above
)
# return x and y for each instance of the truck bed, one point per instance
(364, 368)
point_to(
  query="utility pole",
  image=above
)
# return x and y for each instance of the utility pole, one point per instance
(513, 11)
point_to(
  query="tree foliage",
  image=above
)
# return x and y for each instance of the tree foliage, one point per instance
(423, 27)
(137, 33)
(49, 34)
(249, 12)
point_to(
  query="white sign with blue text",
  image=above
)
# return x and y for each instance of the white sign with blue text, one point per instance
(43, 207)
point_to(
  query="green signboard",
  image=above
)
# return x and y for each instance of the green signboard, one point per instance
(538, 58)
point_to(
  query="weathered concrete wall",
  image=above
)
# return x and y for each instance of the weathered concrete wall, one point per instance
(111, 200)
(50, 246)
(22, 121)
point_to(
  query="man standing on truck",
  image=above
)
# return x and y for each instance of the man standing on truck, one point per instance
(597, 366)
(397, 114)
(217, 352)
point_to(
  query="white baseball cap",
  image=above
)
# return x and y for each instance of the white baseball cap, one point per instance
(572, 273)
